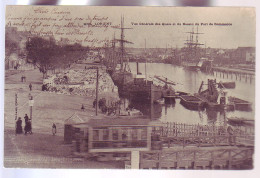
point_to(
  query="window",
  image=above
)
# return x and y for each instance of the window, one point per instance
(124, 134)
(105, 134)
(144, 134)
(134, 134)
(115, 134)
(95, 135)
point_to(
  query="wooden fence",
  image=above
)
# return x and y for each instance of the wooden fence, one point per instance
(187, 130)
(210, 158)
(174, 134)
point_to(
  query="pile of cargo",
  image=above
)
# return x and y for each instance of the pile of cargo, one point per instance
(80, 82)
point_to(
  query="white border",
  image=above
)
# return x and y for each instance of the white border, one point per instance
(28, 173)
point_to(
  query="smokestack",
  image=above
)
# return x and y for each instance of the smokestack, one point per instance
(137, 68)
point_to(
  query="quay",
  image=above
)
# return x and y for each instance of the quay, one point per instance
(234, 71)
(238, 74)
(194, 158)
(144, 144)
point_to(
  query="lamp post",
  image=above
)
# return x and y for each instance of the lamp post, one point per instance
(97, 78)
(31, 101)
(97, 91)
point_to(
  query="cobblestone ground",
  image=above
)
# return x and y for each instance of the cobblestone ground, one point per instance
(42, 149)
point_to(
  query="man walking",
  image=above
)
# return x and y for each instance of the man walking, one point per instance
(30, 86)
(19, 129)
(54, 129)
(28, 127)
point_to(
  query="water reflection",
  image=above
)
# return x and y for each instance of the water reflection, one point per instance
(189, 81)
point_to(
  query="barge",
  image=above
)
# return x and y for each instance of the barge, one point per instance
(192, 102)
(240, 121)
(240, 104)
(228, 85)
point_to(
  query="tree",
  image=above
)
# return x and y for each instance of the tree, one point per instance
(10, 47)
(41, 53)
(46, 55)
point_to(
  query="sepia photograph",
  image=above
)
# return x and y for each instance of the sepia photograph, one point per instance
(95, 87)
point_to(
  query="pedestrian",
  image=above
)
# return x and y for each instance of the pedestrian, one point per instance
(30, 86)
(27, 125)
(94, 103)
(82, 107)
(19, 129)
(22, 78)
(26, 118)
(54, 129)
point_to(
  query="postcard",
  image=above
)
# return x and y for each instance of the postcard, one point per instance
(129, 87)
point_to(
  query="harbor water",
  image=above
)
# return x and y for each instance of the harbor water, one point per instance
(190, 81)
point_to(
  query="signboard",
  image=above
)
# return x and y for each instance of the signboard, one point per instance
(16, 105)
(31, 102)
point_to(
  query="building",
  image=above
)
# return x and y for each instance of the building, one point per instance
(15, 47)
(244, 55)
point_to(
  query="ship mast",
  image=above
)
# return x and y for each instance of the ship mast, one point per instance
(122, 42)
(193, 44)
(145, 62)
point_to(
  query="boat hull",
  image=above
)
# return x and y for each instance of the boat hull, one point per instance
(192, 102)
(240, 104)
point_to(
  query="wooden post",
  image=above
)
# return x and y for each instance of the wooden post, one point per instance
(159, 159)
(212, 158)
(151, 102)
(229, 160)
(149, 134)
(194, 159)
(135, 159)
(97, 92)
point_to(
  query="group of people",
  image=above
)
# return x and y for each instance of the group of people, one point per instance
(23, 79)
(27, 127)
(109, 110)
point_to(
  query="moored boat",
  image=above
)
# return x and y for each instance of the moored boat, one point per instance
(192, 102)
(240, 104)
(240, 121)
(228, 85)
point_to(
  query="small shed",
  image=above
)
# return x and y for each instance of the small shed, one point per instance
(69, 130)
(114, 135)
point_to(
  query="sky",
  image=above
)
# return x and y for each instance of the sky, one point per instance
(240, 32)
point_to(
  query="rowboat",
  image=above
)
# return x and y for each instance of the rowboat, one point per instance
(240, 121)
(227, 85)
(192, 102)
(165, 80)
(240, 104)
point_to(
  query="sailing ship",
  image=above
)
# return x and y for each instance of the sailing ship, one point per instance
(193, 59)
(136, 87)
